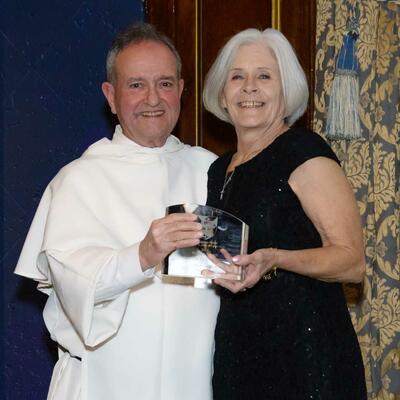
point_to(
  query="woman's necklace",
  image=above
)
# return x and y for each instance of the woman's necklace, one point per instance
(228, 178)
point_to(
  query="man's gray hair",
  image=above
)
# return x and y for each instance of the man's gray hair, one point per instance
(134, 34)
(294, 81)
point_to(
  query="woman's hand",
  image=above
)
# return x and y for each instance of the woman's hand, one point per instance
(231, 272)
(254, 266)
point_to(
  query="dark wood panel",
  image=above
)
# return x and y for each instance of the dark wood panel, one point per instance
(220, 21)
(223, 19)
(186, 44)
(161, 13)
(298, 20)
(216, 21)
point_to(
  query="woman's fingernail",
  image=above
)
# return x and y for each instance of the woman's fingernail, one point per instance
(235, 259)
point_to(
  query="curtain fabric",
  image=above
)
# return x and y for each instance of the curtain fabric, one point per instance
(372, 165)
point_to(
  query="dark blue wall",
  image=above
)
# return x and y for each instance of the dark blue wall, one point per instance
(53, 54)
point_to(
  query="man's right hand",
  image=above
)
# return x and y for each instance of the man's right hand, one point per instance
(167, 234)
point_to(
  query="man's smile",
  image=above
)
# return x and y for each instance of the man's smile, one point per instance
(156, 113)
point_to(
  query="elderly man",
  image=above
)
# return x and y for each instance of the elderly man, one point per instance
(100, 231)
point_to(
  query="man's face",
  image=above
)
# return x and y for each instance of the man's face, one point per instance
(146, 92)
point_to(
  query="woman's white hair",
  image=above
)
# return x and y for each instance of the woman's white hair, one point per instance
(294, 81)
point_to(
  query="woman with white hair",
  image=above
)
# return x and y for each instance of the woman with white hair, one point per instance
(284, 332)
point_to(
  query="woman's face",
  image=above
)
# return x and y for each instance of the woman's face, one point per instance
(253, 91)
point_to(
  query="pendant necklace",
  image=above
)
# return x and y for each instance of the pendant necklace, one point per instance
(228, 178)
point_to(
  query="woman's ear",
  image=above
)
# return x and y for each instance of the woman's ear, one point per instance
(223, 102)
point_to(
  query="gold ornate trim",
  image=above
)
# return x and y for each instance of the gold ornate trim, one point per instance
(276, 14)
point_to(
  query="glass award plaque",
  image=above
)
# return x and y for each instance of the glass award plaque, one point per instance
(221, 230)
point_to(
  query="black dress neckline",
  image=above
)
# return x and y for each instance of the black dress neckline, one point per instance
(227, 157)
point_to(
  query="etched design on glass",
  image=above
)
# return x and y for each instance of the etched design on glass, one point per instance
(209, 226)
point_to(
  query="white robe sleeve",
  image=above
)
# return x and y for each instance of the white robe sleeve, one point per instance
(75, 275)
(92, 283)
(114, 281)
(33, 243)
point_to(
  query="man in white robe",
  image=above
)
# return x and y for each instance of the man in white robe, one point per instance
(100, 231)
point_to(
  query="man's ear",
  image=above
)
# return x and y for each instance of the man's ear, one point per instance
(181, 85)
(108, 91)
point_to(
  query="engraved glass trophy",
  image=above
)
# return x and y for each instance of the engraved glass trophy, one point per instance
(221, 230)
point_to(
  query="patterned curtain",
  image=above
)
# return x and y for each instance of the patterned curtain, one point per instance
(372, 165)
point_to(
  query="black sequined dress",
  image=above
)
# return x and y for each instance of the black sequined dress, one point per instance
(290, 338)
